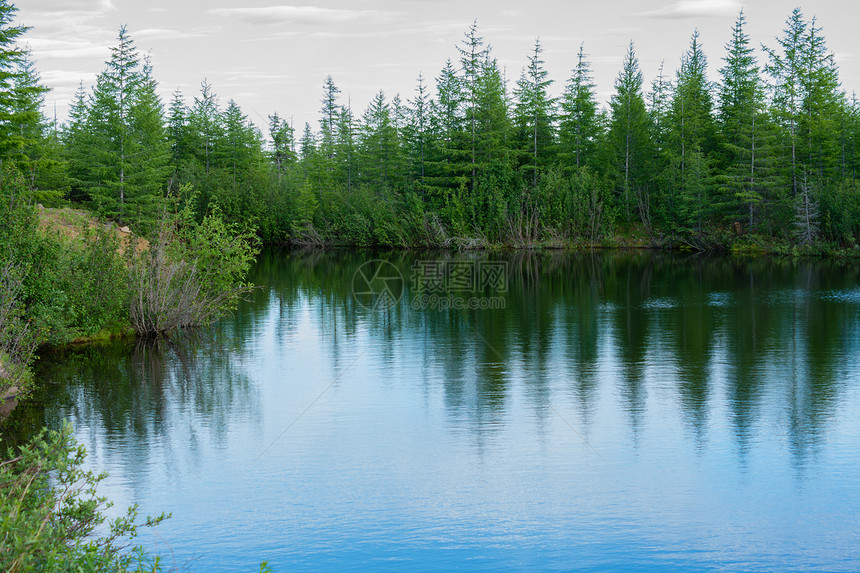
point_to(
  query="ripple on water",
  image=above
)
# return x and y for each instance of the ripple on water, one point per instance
(850, 296)
(664, 303)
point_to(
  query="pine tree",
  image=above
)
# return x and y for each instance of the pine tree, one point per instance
(119, 150)
(329, 113)
(29, 141)
(379, 147)
(204, 123)
(239, 148)
(659, 108)
(496, 186)
(628, 139)
(449, 165)
(786, 68)
(820, 106)
(12, 57)
(416, 135)
(283, 145)
(747, 147)
(150, 159)
(693, 134)
(473, 53)
(534, 115)
(345, 148)
(178, 131)
(77, 140)
(579, 123)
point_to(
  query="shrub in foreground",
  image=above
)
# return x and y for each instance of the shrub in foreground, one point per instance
(49, 511)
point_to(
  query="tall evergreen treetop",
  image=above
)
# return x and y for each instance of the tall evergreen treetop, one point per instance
(579, 124)
(628, 139)
(535, 112)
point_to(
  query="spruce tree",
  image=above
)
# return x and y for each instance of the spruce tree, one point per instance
(693, 135)
(11, 58)
(473, 53)
(30, 142)
(785, 67)
(283, 153)
(416, 135)
(346, 149)
(204, 123)
(534, 116)
(579, 123)
(329, 113)
(628, 140)
(747, 138)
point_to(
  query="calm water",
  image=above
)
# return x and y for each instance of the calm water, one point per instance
(622, 411)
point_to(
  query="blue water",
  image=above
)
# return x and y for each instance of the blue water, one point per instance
(632, 413)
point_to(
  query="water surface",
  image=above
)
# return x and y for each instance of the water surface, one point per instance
(637, 411)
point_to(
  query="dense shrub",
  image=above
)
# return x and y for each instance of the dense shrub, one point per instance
(192, 274)
(49, 512)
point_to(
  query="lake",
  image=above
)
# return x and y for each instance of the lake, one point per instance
(431, 411)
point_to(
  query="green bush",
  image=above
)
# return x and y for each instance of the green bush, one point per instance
(49, 511)
(192, 274)
(69, 287)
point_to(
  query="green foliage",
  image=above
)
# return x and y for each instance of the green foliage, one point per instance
(117, 139)
(50, 512)
(628, 142)
(700, 163)
(193, 273)
(76, 288)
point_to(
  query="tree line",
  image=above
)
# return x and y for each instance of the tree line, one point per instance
(767, 155)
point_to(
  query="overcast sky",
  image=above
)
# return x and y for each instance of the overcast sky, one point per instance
(273, 56)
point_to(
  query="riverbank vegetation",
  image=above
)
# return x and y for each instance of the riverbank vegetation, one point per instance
(765, 159)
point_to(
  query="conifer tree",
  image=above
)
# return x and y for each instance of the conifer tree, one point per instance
(785, 66)
(329, 113)
(283, 145)
(204, 122)
(579, 123)
(345, 148)
(12, 57)
(150, 159)
(693, 134)
(473, 53)
(450, 164)
(628, 139)
(380, 150)
(534, 115)
(30, 142)
(748, 155)
(417, 133)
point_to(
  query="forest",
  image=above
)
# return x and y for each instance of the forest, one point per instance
(763, 160)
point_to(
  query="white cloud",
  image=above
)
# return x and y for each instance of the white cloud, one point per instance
(307, 15)
(57, 78)
(45, 48)
(696, 9)
(163, 34)
(88, 5)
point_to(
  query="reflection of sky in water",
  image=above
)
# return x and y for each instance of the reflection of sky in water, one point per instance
(844, 296)
(660, 304)
(576, 429)
(720, 299)
(786, 296)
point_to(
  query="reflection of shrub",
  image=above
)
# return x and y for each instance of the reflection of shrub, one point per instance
(49, 510)
(192, 274)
